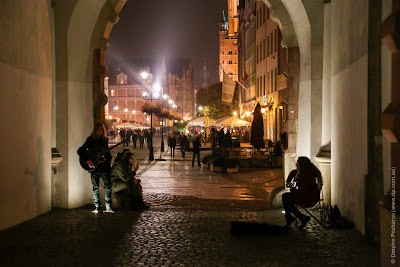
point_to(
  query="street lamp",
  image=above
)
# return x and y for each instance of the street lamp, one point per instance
(146, 75)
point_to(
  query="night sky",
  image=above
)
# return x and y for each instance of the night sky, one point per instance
(170, 29)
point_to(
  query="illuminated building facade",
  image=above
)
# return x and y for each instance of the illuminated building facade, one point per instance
(228, 42)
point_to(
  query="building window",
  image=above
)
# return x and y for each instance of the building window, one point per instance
(130, 105)
(264, 49)
(230, 61)
(263, 13)
(130, 92)
(267, 46)
(230, 52)
(277, 40)
(258, 15)
(264, 85)
(272, 43)
(276, 74)
(257, 53)
(112, 92)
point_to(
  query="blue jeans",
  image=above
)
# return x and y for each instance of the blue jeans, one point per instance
(107, 186)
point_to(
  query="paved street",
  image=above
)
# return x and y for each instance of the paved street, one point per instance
(187, 225)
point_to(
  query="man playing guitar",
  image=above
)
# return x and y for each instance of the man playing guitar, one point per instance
(100, 169)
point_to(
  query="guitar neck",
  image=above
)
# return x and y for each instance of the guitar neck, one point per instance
(114, 146)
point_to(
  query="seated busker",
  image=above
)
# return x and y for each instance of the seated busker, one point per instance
(98, 140)
(123, 177)
(305, 185)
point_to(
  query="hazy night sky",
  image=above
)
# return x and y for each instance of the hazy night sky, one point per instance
(170, 29)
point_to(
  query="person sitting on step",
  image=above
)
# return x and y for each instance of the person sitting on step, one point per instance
(123, 177)
(305, 185)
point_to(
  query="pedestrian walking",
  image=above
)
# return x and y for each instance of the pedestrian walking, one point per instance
(196, 150)
(135, 137)
(172, 144)
(98, 140)
(183, 143)
(141, 140)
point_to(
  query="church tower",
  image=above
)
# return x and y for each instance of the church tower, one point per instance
(228, 41)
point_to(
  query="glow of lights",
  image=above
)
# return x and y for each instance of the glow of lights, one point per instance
(144, 75)
(233, 130)
(157, 87)
(126, 110)
(247, 113)
(170, 101)
(116, 108)
(176, 121)
(202, 131)
(174, 106)
(144, 113)
(200, 108)
(144, 94)
(148, 119)
(187, 131)
(263, 110)
(280, 107)
(165, 96)
(156, 95)
(234, 113)
(283, 212)
(118, 119)
(184, 118)
(133, 111)
(110, 117)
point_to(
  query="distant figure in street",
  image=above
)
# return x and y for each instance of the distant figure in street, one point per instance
(196, 151)
(123, 177)
(122, 134)
(135, 137)
(183, 143)
(221, 136)
(148, 138)
(228, 139)
(141, 140)
(172, 144)
(214, 140)
(305, 185)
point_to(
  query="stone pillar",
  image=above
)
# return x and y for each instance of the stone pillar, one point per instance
(291, 97)
(390, 205)
(99, 98)
(324, 156)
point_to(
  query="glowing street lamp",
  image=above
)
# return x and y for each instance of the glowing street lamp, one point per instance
(165, 96)
(170, 101)
(144, 74)
(201, 108)
(247, 113)
(116, 108)
(234, 113)
(263, 110)
(126, 110)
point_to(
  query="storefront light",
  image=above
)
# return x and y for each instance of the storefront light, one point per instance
(263, 110)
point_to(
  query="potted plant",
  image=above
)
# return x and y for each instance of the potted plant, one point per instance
(217, 164)
(231, 165)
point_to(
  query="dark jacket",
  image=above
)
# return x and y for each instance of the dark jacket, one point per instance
(196, 146)
(120, 175)
(90, 144)
(171, 141)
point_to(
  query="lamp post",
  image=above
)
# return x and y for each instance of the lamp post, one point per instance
(144, 76)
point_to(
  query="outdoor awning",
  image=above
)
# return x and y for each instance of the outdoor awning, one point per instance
(130, 125)
(232, 121)
(201, 121)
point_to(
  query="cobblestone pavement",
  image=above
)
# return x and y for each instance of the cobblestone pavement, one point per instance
(187, 225)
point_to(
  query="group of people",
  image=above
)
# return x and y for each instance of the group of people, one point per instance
(184, 146)
(119, 177)
(135, 136)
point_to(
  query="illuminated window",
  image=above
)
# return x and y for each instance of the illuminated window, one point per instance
(112, 92)
(122, 82)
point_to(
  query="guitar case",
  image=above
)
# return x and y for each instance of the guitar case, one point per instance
(255, 228)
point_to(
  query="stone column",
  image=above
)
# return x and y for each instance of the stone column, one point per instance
(291, 96)
(324, 156)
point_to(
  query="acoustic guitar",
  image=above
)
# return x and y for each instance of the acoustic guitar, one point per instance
(96, 155)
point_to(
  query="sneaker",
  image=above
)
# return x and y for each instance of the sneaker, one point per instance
(304, 222)
(289, 221)
(109, 210)
(98, 210)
